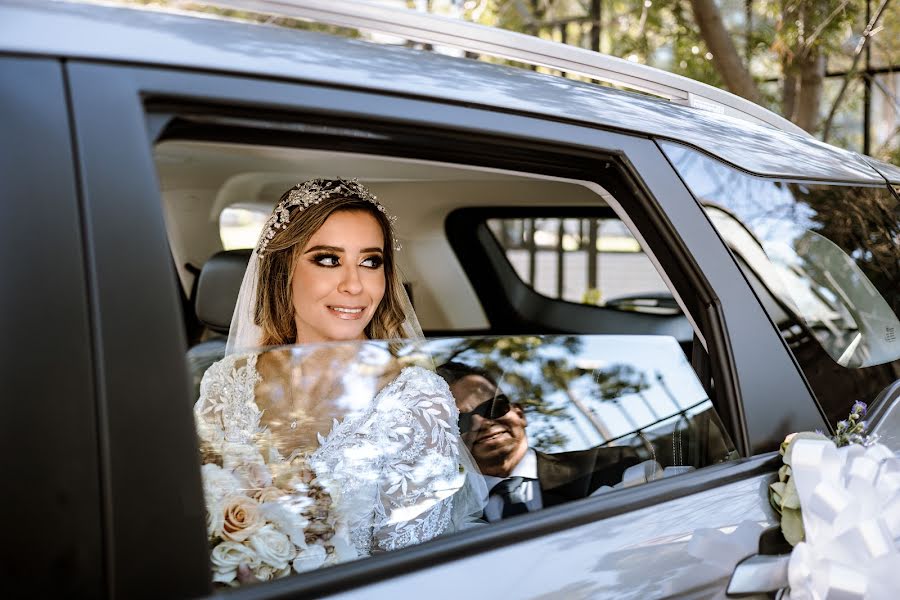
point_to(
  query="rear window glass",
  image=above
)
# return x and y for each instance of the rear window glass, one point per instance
(239, 227)
(584, 260)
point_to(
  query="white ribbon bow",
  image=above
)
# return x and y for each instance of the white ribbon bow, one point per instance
(850, 502)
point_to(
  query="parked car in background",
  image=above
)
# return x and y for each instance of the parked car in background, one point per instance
(677, 271)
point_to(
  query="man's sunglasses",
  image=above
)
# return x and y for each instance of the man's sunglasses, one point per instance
(494, 408)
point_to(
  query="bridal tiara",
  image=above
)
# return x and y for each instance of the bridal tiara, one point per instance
(314, 191)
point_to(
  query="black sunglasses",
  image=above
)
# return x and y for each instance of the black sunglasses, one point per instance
(494, 408)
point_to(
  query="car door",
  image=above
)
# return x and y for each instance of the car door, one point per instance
(48, 432)
(605, 545)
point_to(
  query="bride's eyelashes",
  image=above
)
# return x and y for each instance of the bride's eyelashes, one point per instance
(373, 262)
(329, 261)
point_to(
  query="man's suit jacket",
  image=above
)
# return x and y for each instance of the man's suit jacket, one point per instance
(567, 476)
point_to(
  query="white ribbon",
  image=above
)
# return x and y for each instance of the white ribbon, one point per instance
(850, 502)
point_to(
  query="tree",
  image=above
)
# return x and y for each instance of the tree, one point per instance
(700, 39)
(725, 55)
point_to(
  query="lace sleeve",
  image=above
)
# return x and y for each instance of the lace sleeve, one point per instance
(420, 472)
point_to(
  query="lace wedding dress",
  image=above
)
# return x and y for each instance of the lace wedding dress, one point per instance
(393, 469)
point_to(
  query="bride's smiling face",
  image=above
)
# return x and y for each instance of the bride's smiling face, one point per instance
(338, 280)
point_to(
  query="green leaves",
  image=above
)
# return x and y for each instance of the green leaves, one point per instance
(792, 526)
(784, 499)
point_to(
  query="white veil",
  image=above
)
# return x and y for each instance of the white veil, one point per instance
(245, 335)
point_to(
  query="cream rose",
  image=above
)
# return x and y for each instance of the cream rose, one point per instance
(226, 557)
(272, 547)
(241, 518)
(266, 572)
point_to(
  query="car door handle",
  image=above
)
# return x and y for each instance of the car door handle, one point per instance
(759, 574)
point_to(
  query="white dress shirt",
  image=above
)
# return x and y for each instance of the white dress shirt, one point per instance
(529, 492)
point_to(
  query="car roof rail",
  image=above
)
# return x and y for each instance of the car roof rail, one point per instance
(531, 50)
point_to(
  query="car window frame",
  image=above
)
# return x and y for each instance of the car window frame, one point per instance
(110, 97)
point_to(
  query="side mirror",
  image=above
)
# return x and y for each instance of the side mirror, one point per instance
(759, 574)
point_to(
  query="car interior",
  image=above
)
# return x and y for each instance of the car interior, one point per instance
(486, 254)
(201, 181)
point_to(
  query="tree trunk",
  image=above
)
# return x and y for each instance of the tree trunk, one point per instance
(725, 56)
(789, 93)
(809, 98)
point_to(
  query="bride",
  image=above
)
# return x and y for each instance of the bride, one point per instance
(295, 475)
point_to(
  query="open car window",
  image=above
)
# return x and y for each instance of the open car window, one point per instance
(319, 454)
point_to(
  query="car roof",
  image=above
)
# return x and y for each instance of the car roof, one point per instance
(129, 35)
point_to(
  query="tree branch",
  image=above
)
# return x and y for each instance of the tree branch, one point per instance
(863, 42)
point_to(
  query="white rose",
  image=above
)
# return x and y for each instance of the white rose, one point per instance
(226, 557)
(239, 454)
(311, 558)
(272, 547)
(286, 520)
(241, 518)
(247, 464)
(256, 475)
(218, 483)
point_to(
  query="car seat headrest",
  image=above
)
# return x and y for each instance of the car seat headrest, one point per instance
(218, 287)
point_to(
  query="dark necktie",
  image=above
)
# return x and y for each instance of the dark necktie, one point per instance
(505, 489)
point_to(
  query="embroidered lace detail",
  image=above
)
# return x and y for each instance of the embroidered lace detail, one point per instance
(391, 470)
(227, 410)
(396, 465)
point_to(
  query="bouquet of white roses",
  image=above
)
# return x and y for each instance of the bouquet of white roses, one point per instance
(275, 519)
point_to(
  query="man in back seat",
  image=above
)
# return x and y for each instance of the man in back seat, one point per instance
(520, 478)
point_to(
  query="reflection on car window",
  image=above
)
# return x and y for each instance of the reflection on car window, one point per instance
(319, 454)
(825, 263)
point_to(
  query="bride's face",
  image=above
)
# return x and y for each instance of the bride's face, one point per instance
(338, 280)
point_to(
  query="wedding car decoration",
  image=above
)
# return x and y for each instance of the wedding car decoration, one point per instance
(274, 518)
(839, 500)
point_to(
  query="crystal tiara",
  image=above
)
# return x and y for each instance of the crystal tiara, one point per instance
(305, 194)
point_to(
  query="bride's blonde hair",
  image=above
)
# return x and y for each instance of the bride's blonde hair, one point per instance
(274, 308)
